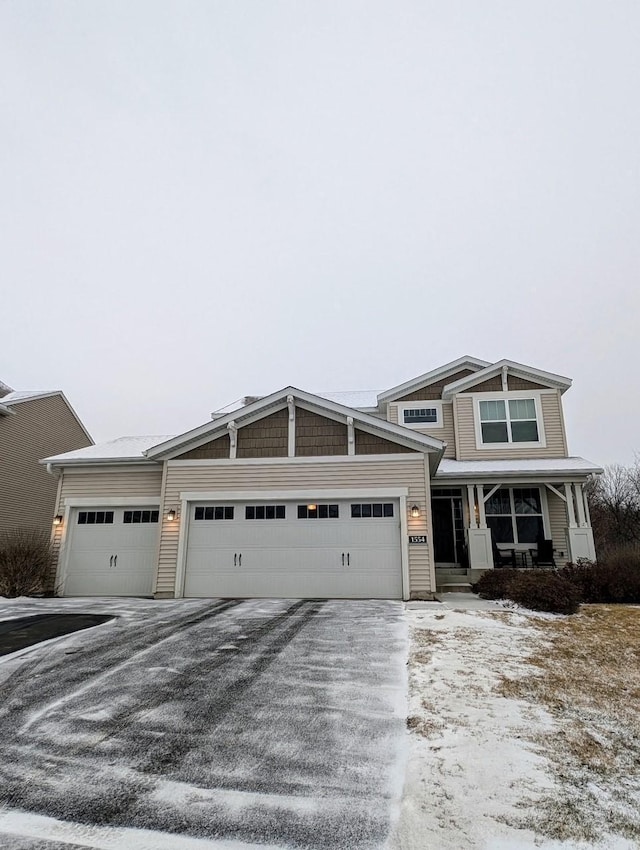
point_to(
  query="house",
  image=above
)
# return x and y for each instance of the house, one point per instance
(33, 424)
(388, 495)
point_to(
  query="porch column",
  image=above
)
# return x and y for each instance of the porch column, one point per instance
(478, 535)
(571, 514)
(579, 534)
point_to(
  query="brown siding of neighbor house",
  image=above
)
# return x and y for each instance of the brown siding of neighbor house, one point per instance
(41, 427)
(218, 448)
(317, 435)
(431, 391)
(268, 437)
(371, 444)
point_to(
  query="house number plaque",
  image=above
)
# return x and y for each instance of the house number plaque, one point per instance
(417, 538)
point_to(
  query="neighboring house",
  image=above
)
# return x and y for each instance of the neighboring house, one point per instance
(296, 494)
(33, 424)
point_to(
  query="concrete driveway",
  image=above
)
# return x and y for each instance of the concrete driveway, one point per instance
(193, 724)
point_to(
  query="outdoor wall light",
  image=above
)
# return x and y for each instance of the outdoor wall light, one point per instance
(171, 514)
(415, 511)
(57, 520)
(311, 507)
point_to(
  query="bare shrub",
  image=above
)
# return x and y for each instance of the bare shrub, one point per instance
(544, 590)
(26, 557)
(494, 584)
(615, 578)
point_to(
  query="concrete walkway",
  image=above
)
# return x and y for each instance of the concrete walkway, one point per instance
(457, 602)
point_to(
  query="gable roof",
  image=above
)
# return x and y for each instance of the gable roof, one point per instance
(438, 374)
(518, 369)
(262, 407)
(14, 398)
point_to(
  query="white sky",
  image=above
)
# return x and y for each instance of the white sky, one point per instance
(202, 200)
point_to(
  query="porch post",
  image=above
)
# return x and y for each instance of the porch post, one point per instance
(478, 536)
(579, 534)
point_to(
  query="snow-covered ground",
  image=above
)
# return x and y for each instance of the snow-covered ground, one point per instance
(475, 767)
(200, 724)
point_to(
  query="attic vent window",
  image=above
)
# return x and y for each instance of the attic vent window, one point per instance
(421, 414)
(413, 415)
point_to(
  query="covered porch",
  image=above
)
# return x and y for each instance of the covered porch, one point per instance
(508, 513)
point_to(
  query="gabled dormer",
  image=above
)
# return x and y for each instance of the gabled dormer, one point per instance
(419, 404)
(508, 410)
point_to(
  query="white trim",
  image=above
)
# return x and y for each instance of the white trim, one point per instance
(233, 439)
(430, 377)
(113, 502)
(63, 554)
(582, 521)
(404, 548)
(419, 405)
(291, 431)
(292, 495)
(79, 467)
(541, 442)
(471, 500)
(277, 401)
(519, 370)
(557, 492)
(514, 478)
(187, 498)
(351, 437)
(262, 461)
(568, 489)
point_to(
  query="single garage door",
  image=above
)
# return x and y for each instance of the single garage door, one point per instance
(324, 549)
(112, 551)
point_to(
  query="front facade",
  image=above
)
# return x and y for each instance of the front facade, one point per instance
(33, 424)
(389, 495)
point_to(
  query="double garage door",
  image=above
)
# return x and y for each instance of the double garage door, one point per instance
(289, 549)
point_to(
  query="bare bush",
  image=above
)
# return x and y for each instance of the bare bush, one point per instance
(26, 557)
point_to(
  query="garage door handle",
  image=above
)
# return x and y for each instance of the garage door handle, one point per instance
(235, 559)
(115, 560)
(347, 558)
(343, 559)
(240, 559)
(111, 561)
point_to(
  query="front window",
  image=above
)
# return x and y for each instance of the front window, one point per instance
(509, 421)
(514, 514)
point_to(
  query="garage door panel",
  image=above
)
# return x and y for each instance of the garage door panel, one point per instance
(110, 559)
(295, 557)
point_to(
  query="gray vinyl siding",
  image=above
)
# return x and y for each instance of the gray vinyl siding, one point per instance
(409, 472)
(39, 428)
(553, 425)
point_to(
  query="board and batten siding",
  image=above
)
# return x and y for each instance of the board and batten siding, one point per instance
(408, 472)
(556, 445)
(446, 433)
(103, 484)
(38, 428)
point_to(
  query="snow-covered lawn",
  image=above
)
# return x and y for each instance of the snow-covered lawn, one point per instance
(524, 730)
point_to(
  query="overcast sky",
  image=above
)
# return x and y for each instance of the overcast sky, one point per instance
(203, 200)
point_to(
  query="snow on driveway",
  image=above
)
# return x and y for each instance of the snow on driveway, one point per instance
(190, 724)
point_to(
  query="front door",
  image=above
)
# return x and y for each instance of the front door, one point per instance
(443, 531)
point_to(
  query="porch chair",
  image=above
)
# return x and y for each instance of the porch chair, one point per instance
(543, 555)
(503, 557)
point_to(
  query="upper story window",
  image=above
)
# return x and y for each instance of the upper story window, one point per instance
(504, 420)
(421, 414)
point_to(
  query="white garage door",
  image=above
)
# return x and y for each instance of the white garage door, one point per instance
(112, 551)
(334, 549)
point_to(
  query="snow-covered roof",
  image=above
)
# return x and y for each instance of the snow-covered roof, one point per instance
(238, 404)
(24, 395)
(353, 398)
(510, 468)
(122, 448)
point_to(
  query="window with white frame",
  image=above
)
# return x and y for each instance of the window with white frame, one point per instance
(512, 420)
(514, 514)
(420, 414)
